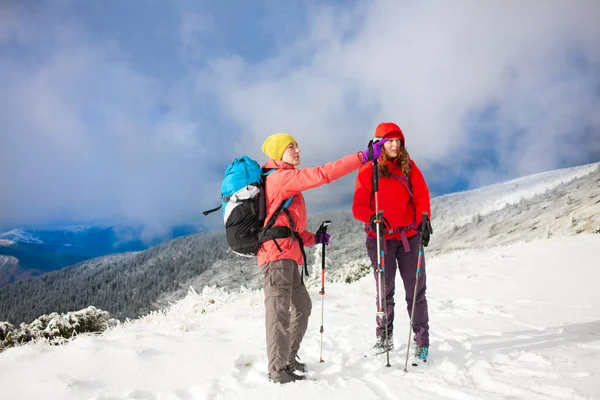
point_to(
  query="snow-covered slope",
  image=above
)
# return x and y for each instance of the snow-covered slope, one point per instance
(8, 261)
(19, 235)
(551, 204)
(461, 208)
(564, 205)
(8, 266)
(510, 322)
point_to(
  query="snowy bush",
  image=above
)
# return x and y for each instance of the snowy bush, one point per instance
(55, 328)
(345, 270)
(357, 270)
(5, 329)
(7, 338)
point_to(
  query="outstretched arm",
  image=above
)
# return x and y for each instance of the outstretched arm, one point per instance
(294, 181)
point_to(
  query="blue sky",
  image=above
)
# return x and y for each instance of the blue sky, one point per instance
(129, 111)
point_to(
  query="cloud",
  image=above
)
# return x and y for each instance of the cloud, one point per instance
(93, 130)
(89, 137)
(193, 29)
(432, 67)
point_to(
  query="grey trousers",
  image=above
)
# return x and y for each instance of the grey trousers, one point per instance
(287, 306)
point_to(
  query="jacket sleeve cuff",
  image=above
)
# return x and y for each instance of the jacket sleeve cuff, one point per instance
(308, 238)
(360, 157)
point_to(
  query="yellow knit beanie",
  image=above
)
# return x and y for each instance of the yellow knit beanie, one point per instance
(275, 145)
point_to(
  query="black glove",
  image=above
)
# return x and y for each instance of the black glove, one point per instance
(425, 230)
(383, 224)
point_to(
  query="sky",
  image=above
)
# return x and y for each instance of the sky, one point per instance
(130, 111)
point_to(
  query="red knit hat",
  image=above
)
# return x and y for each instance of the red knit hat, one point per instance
(389, 130)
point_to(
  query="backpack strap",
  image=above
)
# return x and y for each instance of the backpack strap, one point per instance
(282, 208)
(402, 179)
(292, 230)
(212, 210)
(400, 229)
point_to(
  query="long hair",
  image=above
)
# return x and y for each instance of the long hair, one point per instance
(402, 161)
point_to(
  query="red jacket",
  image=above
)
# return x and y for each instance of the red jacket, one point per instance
(286, 182)
(399, 208)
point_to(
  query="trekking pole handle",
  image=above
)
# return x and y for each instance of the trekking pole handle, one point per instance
(323, 227)
(323, 230)
(376, 175)
(426, 222)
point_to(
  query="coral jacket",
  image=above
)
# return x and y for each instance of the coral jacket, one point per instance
(400, 209)
(286, 182)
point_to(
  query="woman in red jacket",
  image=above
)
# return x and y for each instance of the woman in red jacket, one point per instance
(280, 258)
(403, 197)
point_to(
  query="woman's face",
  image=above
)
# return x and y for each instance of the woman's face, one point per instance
(392, 147)
(292, 155)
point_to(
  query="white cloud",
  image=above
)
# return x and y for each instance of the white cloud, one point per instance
(84, 137)
(429, 66)
(89, 135)
(192, 31)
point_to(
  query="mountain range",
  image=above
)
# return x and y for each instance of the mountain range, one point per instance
(552, 204)
(25, 253)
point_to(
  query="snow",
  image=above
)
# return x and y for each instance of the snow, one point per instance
(19, 235)
(464, 206)
(516, 320)
(8, 260)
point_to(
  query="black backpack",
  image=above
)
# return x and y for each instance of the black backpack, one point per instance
(244, 208)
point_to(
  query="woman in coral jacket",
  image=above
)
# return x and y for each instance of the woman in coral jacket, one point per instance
(403, 197)
(287, 302)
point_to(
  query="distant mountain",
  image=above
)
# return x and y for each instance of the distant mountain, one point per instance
(9, 269)
(38, 251)
(552, 204)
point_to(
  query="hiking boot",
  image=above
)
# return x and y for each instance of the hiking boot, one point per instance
(421, 353)
(380, 344)
(296, 365)
(286, 376)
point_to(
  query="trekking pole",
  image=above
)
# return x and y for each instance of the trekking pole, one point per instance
(382, 306)
(322, 230)
(412, 313)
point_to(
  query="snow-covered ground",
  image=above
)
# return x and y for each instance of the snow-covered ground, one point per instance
(514, 322)
(514, 314)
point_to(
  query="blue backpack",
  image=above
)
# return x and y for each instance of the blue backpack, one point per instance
(244, 208)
